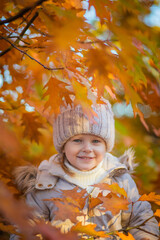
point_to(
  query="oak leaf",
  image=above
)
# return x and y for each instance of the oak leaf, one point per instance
(8, 141)
(81, 97)
(102, 11)
(151, 197)
(114, 188)
(157, 213)
(75, 197)
(31, 125)
(125, 237)
(73, 4)
(7, 228)
(88, 229)
(15, 211)
(114, 203)
(93, 202)
(52, 233)
(66, 19)
(66, 210)
(56, 90)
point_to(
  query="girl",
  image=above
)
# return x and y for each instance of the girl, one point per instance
(84, 160)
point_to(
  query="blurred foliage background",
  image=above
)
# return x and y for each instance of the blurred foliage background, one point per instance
(57, 52)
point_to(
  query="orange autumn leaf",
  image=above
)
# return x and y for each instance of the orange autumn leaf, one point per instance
(102, 11)
(88, 229)
(157, 213)
(52, 233)
(55, 91)
(101, 68)
(96, 61)
(75, 197)
(114, 188)
(93, 202)
(16, 211)
(73, 3)
(114, 203)
(7, 228)
(115, 53)
(81, 97)
(31, 125)
(66, 20)
(8, 142)
(70, 204)
(66, 210)
(125, 237)
(151, 197)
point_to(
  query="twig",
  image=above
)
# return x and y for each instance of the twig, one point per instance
(126, 229)
(20, 36)
(141, 229)
(30, 47)
(14, 46)
(130, 215)
(97, 41)
(28, 24)
(21, 12)
(42, 33)
(39, 31)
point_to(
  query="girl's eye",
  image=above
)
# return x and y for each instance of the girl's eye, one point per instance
(77, 140)
(96, 141)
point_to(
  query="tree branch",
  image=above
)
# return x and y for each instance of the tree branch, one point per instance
(20, 36)
(126, 229)
(21, 12)
(14, 46)
(28, 25)
(30, 47)
(97, 41)
(141, 229)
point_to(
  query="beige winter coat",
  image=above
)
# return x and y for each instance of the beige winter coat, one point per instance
(51, 178)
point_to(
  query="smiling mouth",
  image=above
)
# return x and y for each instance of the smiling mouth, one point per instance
(87, 158)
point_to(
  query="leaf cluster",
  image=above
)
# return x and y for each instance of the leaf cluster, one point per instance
(52, 55)
(71, 206)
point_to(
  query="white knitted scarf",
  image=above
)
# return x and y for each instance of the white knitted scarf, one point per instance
(85, 179)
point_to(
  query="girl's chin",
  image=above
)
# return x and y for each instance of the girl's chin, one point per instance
(85, 169)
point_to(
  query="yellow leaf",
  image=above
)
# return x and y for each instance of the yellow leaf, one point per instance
(88, 229)
(73, 3)
(157, 213)
(56, 90)
(7, 228)
(151, 197)
(81, 97)
(114, 188)
(66, 26)
(125, 237)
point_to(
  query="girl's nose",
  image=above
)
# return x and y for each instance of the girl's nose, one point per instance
(87, 147)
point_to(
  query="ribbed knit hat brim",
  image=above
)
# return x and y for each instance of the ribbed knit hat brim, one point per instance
(72, 121)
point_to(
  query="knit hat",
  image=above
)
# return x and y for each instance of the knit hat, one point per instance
(73, 121)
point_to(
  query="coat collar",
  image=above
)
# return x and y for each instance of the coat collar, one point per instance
(50, 171)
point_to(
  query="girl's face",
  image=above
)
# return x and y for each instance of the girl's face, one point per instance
(85, 151)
